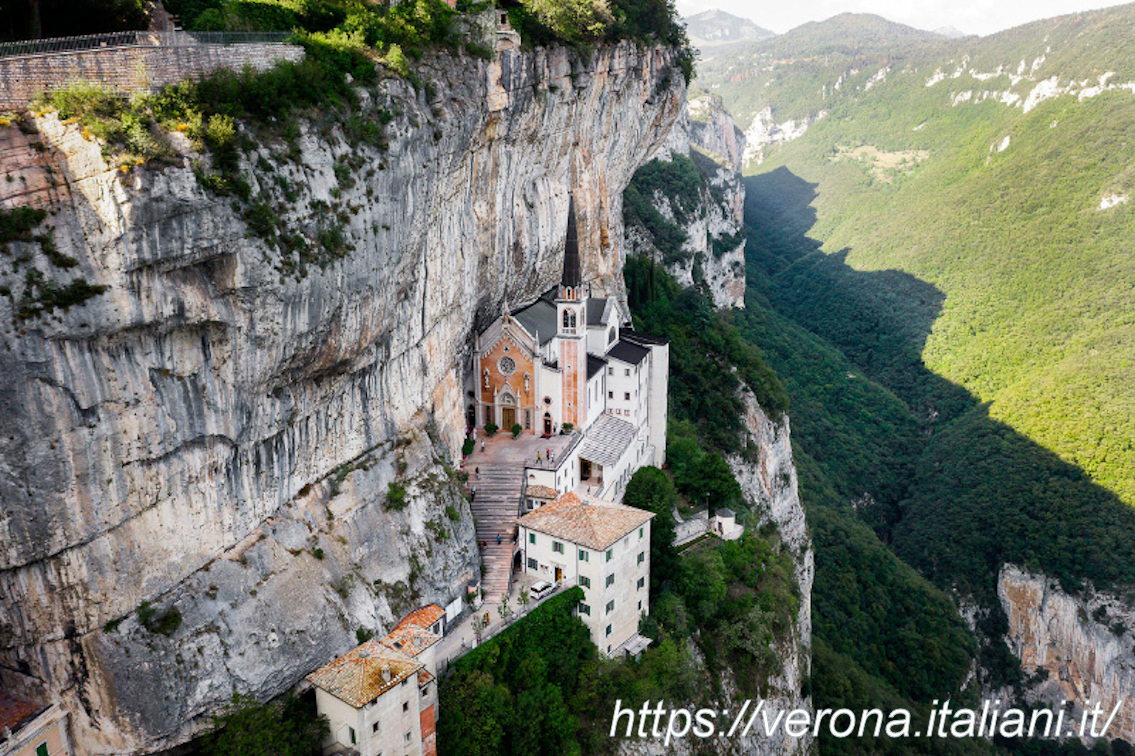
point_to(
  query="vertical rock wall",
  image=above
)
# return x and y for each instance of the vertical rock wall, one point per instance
(217, 433)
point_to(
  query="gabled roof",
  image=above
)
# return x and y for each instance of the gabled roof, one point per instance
(410, 639)
(596, 310)
(424, 617)
(585, 521)
(539, 319)
(364, 673)
(594, 365)
(628, 352)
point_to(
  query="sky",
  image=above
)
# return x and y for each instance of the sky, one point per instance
(969, 16)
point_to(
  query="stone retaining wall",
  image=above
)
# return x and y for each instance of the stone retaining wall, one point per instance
(130, 69)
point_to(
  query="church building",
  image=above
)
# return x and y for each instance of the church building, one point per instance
(570, 363)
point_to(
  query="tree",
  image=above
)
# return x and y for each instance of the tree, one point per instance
(287, 726)
(572, 20)
(650, 489)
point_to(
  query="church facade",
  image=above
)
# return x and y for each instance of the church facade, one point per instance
(569, 363)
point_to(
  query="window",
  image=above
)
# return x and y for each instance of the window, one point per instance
(584, 556)
(407, 736)
(608, 633)
(532, 565)
(641, 557)
(640, 606)
(610, 394)
(641, 583)
(610, 606)
(557, 547)
(610, 553)
(532, 538)
(405, 706)
(640, 533)
(351, 732)
(610, 580)
(425, 691)
(626, 396)
(374, 727)
(585, 581)
(584, 609)
(610, 371)
(626, 371)
(41, 750)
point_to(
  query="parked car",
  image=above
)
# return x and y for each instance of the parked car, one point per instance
(540, 590)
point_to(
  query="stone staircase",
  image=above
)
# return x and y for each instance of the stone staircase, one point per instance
(496, 508)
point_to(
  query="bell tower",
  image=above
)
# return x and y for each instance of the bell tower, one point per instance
(571, 330)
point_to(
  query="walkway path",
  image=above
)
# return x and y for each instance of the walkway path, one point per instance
(495, 509)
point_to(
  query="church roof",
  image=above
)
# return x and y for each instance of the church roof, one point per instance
(539, 319)
(586, 521)
(643, 339)
(572, 274)
(607, 440)
(594, 365)
(595, 311)
(628, 352)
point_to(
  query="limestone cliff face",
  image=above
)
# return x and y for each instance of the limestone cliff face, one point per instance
(218, 434)
(1080, 645)
(714, 250)
(770, 484)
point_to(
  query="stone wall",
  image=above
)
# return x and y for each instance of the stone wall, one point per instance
(136, 68)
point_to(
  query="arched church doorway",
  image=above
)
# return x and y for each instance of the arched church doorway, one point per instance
(547, 423)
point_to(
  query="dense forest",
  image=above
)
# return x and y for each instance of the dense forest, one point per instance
(938, 279)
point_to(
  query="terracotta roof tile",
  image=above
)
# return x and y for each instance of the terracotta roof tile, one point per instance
(424, 617)
(14, 711)
(410, 639)
(541, 492)
(587, 521)
(357, 676)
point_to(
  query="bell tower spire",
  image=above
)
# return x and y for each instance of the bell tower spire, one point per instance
(571, 311)
(572, 277)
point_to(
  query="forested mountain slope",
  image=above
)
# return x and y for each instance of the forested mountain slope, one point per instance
(955, 220)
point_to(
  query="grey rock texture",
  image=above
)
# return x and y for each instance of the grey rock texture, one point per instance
(770, 484)
(180, 439)
(1080, 645)
(715, 249)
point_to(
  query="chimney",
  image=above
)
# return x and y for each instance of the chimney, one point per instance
(386, 672)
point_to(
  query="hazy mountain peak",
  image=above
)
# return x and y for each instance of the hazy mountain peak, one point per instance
(950, 31)
(715, 29)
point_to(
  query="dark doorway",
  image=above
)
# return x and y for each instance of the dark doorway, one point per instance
(547, 424)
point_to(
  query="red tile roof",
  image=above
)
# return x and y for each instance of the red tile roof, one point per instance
(585, 520)
(423, 617)
(365, 673)
(15, 711)
(410, 639)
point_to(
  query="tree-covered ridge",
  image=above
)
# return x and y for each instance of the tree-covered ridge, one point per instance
(410, 25)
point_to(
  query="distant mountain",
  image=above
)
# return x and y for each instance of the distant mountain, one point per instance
(715, 32)
(977, 199)
(952, 32)
(719, 26)
(848, 33)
